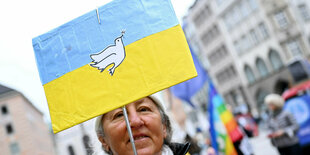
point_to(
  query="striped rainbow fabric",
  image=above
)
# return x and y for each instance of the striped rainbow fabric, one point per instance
(223, 127)
(156, 57)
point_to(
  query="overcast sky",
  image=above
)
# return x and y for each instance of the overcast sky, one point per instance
(22, 20)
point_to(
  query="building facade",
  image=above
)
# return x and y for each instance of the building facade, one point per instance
(79, 140)
(261, 38)
(22, 128)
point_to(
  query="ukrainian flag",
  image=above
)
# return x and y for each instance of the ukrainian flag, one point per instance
(156, 56)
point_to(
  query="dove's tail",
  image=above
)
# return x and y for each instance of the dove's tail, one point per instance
(103, 64)
(99, 66)
(95, 57)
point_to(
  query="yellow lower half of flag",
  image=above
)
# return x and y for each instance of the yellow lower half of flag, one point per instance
(151, 64)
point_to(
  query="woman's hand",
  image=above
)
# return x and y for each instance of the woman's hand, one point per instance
(278, 133)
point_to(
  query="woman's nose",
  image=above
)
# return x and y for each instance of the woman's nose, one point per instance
(135, 120)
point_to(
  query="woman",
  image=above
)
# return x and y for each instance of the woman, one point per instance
(150, 127)
(283, 126)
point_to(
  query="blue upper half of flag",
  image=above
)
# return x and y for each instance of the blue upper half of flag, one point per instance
(69, 46)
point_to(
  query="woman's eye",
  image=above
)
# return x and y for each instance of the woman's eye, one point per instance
(144, 109)
(120, 114)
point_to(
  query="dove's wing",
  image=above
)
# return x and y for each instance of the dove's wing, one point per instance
(103, 54)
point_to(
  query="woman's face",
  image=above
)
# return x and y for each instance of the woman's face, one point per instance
(146, 125)
(272, 107)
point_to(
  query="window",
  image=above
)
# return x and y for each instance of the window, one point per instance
(251, 38)
(243, 43)
(260, 97)
(208, 10)
(247, 43)
(275, 60)
(226, 74)
(237, 46)
(304, 12)
(70, 150)
(210, 35)
(215, 31)
(254, 37)
(220, 77)
(198, 20)
(239, 12)
(245, 10)
(218, 54)
(202, 16)
(252, 4)
(249, 74)
(228, 21)
(261, 66)
(224, 50)
(9, 129)
(281, 19)
(237, 97)
(219, 2)
(236, 15)
(213, 57)
(4, 110)
(294, 48)
(14, 148)
(206, 38)
(299, 70)
(231, 71)
(263, 30)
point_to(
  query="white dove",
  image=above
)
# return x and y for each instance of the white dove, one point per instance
(113, 54)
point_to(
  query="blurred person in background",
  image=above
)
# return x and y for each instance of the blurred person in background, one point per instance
(246, 122)
(207, 149)
(195, 148)
(282, 126)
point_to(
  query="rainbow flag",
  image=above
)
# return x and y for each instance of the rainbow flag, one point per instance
(223, 128)
(88, 68)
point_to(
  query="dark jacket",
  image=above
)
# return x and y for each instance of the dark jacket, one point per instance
(179, 149)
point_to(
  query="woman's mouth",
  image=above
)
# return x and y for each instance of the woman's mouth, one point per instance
(139, 137)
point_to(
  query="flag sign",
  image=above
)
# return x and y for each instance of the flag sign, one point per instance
(224, 129)
(299, 106)
(89, 68)
(186, 90)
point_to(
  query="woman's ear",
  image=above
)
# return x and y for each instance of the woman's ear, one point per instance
(104, 144)
(165, 131)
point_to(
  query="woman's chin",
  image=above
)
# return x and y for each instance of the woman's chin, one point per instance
(148, 151)
(145, 147)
